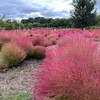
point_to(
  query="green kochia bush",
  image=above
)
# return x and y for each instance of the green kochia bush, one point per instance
(70, 72)
(12, 54)
(3, 65)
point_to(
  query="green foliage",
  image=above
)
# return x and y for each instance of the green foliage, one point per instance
(9, 24)
(18, 96)
(36, 24)
(98, 20)
(95, 27)
(22, 96)
(2, 22)
(47, 22)
(84, 14)
(30, 26)
(3, 65)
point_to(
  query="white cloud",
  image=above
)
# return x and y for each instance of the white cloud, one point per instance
(18, 9)
(56, 5)
(61, 5)
(34, 14)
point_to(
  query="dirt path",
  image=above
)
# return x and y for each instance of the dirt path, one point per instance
(16, 79)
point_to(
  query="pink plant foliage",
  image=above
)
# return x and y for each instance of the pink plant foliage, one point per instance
(72, 71)
(39, 52)
(66, 40)
(38, 40)
(47, 43)
(25, 44)
(39, 36)
(6, 37)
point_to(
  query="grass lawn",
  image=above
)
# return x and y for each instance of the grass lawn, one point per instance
(17, 96)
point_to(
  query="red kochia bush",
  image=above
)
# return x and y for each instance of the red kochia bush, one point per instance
(37, 40)
(6, 37)
(25, 44)
(68, 39)
(70, 72)
(39, 52)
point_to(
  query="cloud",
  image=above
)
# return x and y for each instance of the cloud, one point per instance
(18, 9)
(98, 6)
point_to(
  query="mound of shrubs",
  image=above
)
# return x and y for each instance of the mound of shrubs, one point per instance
(13, 53)
(70, 72)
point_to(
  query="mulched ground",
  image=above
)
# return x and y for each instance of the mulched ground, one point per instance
(15, 80)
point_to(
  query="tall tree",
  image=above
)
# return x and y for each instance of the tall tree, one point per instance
(84, 13)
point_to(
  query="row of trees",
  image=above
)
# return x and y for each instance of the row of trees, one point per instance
(35, 22)
(47, 22)
(10, 25)
(40, 22)
(83, 16)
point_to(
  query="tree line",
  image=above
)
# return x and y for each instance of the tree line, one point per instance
(39, 22)
(47, 22)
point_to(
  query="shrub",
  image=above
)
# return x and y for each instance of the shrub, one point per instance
(5, 38)
(37, 40)
(70, 72)
(25, 44)
(53, 38)
(3, 65)
(39, 52)
(12, 54)
(47, 43)
(67, 39)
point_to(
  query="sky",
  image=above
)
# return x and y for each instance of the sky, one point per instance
(22, 9)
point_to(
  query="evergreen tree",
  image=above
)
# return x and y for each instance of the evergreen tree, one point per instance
(84, 14)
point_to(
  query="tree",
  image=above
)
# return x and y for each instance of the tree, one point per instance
(30, 26)
(36, 24)
(2, 22)
(98, 19)
(84, 14)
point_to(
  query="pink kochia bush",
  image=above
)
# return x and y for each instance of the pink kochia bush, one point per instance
(70, 72)
(68, 39)
(39, 52)
(6, 37)
(26, 45)
(37, 40)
